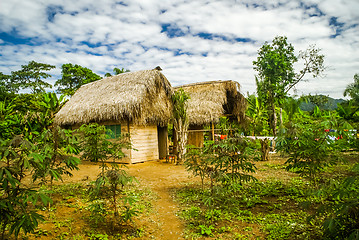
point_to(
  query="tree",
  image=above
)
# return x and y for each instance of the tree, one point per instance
(257, 116)
(180, 121)
(311, 146)
(117, 71)
(73, 77)
(352, 90)
(276, 74)
(318, 100)
(4, 84)
(31, 76)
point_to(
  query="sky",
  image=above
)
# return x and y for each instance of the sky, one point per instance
(192, 40)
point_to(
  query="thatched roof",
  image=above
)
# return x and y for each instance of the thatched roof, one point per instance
(142, 97)
(211, 100)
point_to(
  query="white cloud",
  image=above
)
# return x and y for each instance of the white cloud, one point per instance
(101, 35)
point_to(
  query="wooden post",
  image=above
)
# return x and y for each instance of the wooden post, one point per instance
(212, 131)
(129, 138)
(174, 133)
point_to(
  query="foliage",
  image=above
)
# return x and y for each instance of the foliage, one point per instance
(341, 208)
(9, 120)
(258, 117)
(352, 90)
(73, 77)
(228, 161)
(53, 154)
(349, 111)
(198, 161)
(276, 74)
(47, 104)
(96, 147)
(17, 201)
(268, 207)
(180, 121)
(30, 144)
(5, 85)
(32, 77)
(117, 71)
(311, 147)
(110, 183)
(39, 115)
(233, 160)
(106, 190)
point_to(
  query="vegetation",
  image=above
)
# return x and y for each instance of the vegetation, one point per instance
(180, 122)
(35, 153)
(117, 71)
(73, 77)
(314, 197)
(276, 76)
(31, 76)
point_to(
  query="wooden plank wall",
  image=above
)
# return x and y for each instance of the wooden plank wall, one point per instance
(144, 139)
(195, 138)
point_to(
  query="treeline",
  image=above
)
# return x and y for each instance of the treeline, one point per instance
(33, 77)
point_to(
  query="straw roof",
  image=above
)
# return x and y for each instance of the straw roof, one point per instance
(142, 97)
(211, 100)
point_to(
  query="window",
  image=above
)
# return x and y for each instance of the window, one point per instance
(115, 131)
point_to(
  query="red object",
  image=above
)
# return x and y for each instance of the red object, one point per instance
(223, 137)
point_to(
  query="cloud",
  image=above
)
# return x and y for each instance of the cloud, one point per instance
(191, 40)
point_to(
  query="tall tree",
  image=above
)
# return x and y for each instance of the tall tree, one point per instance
(276, 75)
(5, 88)
(31, 76)
(352, 90)
(73, 77)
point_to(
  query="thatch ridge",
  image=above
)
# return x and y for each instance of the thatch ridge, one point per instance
(142, 97)
(212, 99)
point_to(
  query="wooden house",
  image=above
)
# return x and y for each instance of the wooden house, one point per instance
(208, 102)
(137, 103)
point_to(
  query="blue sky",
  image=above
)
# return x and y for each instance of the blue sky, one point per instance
(192, 41)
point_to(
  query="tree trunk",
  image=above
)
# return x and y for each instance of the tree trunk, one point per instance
(264, 149)
(181, 136)
(273, 120)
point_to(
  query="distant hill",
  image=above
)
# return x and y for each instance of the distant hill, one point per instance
(330, 105)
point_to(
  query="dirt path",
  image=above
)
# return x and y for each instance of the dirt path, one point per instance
(161, 178)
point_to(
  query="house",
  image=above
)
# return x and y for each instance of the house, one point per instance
(208, 102)
(137, 103)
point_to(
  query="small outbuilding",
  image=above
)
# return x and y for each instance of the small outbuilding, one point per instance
(208, 102)
(137, 103)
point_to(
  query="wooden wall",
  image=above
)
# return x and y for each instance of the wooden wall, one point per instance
(144, 139)
(196, 137)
